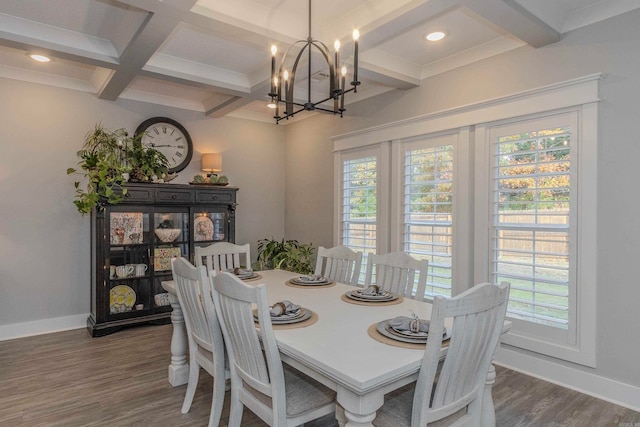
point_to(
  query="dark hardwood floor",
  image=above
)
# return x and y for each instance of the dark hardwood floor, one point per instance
(70, 379)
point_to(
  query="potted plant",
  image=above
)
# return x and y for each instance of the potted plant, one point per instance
(102, 164)
(285, 255)
(107, 159)
(145, 163)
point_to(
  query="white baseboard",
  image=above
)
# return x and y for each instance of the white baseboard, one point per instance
(44, 326)
(597, 386)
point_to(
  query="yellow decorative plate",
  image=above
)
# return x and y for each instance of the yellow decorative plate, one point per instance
(121, 299)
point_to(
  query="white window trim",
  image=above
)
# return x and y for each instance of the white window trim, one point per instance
(580, 341)
(581, 92)
(382, 154)
(462, 206)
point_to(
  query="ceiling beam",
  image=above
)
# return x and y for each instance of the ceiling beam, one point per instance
(155, 30)
(514, 19)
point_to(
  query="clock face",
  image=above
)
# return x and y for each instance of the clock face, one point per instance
(170, 138)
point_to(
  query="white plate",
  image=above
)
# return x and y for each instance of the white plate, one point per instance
(301, 283)
(299, 316)
(370, 298)
(311, 279)
(360, 294)
(386, 330)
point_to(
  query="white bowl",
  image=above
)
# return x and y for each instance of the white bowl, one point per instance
(167, 235)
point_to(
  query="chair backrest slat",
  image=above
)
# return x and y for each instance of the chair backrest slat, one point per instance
(194, 295)
(339, 264)
(223, 256)
(399, 273)
(255, 360)
(478, 315)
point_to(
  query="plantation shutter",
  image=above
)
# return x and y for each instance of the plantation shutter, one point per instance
(427, 227)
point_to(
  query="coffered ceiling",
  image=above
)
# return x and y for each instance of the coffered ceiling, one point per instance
(212, 56)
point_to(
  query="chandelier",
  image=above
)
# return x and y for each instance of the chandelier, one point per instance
(283, 81)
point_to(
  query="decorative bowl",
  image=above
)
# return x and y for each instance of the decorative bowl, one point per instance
(161, 299)
(167, 235)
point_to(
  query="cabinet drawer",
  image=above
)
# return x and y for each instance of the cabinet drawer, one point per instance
(174, 196)
(136, 195)
(204, 196)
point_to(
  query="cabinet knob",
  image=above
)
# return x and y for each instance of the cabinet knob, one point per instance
(214, 197)
(174, 196)
(127, 195)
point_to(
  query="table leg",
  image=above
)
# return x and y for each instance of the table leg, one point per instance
(359, 410)
(179, 368)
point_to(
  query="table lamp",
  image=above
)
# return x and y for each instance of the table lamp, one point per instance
(211, 163)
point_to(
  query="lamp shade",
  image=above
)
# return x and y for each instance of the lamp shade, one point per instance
(211, 162)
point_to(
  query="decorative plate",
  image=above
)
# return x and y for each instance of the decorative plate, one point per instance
(203, 228)
(121, 299)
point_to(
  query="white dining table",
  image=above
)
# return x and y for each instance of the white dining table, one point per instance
(336, 350)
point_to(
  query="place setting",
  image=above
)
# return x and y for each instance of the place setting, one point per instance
(287, 315)
(371, 295)
(245, 274)
(404, 331)
(310, 280)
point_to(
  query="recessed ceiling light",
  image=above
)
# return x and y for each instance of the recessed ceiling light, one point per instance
(435, 36)
(40, 58)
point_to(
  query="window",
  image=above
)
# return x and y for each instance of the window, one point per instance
(359, 201)
(540, 228)
(359, 204)
(503, 190)
(427, 225)
(531, 230)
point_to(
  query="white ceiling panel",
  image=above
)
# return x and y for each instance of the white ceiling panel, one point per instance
(212, 56)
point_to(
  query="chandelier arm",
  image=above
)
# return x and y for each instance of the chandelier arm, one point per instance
(336, 88)
(329, 60)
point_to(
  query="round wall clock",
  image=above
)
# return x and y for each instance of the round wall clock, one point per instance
(170, 138)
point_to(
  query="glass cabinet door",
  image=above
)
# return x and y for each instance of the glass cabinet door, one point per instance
(171, 240)
(127, 262)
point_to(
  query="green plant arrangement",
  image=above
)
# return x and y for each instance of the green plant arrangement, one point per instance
(145, 163)
(107, 159)
(285, 255)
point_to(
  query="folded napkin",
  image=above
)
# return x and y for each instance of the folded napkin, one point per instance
(409, 324)
(371, 290)
(283, 307)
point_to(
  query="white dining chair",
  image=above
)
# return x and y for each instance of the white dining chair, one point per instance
(340, 264)
(206, 346)
(279, 394)
(452, 390)
(223, 256)
(399, 273)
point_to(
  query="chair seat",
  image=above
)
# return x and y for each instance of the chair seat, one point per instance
(396, 411)
(303, 393)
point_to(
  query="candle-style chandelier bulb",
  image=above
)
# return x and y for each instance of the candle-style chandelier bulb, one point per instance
(283, 80)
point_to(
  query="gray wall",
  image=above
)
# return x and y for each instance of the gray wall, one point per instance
(45, 242)
(611, 47)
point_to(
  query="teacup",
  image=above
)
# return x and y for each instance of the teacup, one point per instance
(140, 269)
(124, 270)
